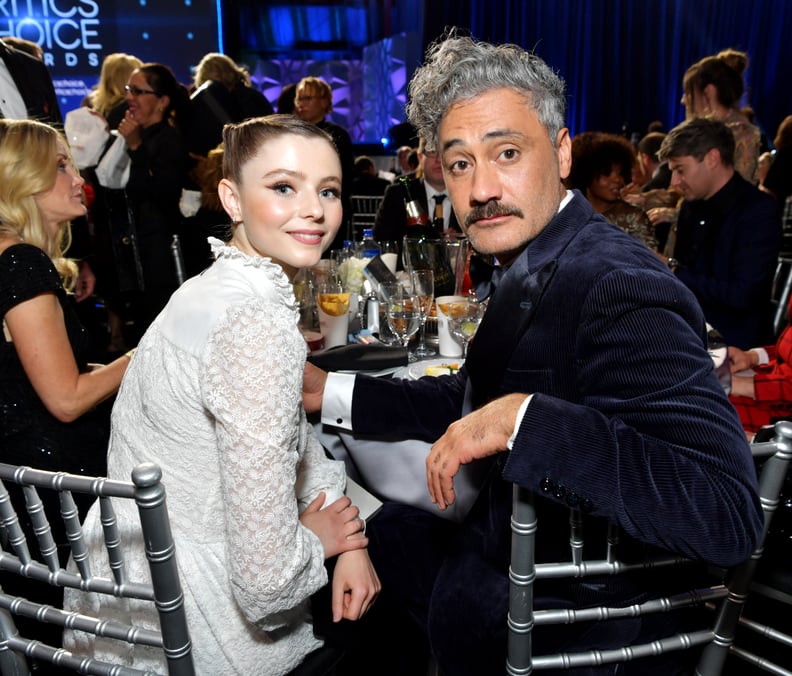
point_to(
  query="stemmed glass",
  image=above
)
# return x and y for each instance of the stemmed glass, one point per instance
(423, 287)
(464, 317)
(404, 316)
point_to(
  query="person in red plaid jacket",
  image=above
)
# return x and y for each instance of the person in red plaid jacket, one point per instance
(765, 396)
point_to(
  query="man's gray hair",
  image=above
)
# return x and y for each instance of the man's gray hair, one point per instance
(460, 69)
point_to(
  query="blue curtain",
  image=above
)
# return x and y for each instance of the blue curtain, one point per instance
(623, 60)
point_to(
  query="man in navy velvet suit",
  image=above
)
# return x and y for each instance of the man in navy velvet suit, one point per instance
(588, 381)
(728, 233)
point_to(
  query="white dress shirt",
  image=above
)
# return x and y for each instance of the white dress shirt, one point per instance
(430, 202)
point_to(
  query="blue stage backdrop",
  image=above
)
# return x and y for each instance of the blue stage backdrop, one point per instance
(76, 35)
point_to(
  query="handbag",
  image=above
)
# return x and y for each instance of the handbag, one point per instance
(113, 169)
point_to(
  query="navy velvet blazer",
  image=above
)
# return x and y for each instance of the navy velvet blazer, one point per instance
(627, 418)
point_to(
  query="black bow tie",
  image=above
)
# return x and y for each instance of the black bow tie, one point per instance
(484, 275)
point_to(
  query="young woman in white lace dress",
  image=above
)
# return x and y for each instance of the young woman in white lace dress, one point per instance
(213, 395)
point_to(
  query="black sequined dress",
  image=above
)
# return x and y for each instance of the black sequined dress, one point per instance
(29, 434)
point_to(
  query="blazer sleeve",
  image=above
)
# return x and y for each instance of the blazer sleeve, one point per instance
(651, 441)
(399, 409)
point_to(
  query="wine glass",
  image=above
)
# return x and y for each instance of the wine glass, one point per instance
(463, 321)
(423, 287)
(404, 316)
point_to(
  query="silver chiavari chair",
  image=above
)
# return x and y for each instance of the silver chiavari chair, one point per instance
(727, 594)
(164, 590)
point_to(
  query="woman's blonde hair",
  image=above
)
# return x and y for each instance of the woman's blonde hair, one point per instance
(109, 92)
(220, 68)
(28, 167)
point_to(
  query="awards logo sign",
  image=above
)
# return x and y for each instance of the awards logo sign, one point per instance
(76, 35)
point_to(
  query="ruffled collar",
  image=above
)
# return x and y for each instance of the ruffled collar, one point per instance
(276, 274)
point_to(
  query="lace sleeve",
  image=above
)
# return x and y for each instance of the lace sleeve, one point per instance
(252, 386)
(317, 473)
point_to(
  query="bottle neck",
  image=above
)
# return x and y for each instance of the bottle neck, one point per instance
(415, 214)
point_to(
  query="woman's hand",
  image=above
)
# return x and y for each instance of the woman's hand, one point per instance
(314, 380)
(355, 586)
(130, 130)
(743, 386)
(338, 526)
(663, 215)
(742, 359)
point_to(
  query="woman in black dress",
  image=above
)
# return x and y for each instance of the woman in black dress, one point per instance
(49, 392)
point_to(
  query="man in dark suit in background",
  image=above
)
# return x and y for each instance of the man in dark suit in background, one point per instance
(588, 381)
(391, 220)
(29, 82)
(728, 234)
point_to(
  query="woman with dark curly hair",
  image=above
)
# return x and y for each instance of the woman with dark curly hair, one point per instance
(601, 167)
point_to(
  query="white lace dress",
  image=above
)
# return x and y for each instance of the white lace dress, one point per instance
(213, 395)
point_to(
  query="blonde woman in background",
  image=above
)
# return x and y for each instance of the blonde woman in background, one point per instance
(107, 98)
(49, 389)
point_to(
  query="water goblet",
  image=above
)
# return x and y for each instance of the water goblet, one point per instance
(404, 316)
(423, 287)
(463, 321)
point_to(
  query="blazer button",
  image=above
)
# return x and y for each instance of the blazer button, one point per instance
(547, 485)
(560, 492)
(572, 499)
(586, 505)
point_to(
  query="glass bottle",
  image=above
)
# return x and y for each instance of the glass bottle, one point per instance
(418, 225)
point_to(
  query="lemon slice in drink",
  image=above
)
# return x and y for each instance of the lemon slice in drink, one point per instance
(468, 328)
(334, 304)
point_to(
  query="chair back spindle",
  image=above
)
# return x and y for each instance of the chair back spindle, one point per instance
(164, 590)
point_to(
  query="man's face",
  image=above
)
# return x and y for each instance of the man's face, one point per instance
(309, 104)
(502, 173)
(433, 170)
(693, 178)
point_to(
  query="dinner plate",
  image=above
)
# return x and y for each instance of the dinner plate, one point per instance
(418, 369)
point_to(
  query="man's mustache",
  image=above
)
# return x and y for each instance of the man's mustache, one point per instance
(491, 209)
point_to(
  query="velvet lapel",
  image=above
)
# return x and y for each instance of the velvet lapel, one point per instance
(508, 314)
